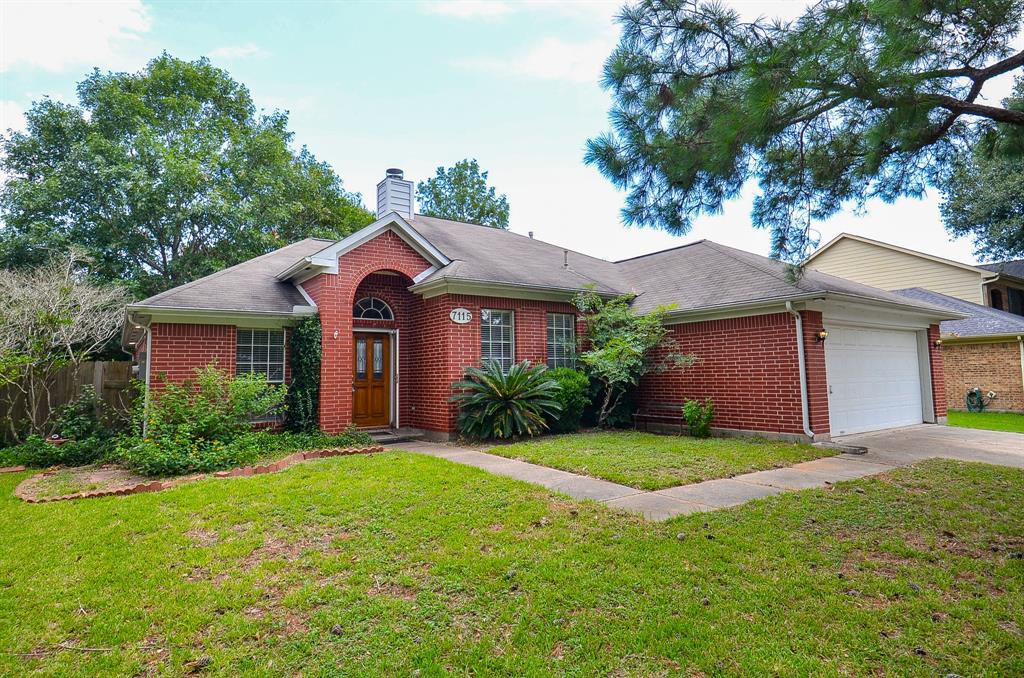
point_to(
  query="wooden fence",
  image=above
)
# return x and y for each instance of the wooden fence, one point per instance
(111, 379)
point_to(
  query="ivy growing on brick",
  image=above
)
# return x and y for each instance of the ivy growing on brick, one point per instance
(304, 390)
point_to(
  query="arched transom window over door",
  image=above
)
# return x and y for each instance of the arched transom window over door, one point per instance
(372, 308)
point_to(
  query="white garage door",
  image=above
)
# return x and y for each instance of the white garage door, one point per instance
(874, 379)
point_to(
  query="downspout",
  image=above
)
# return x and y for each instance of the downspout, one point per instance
(804, 406)
(1020, 340)
(149, 359)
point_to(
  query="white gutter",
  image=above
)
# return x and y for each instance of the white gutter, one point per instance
(804, 407)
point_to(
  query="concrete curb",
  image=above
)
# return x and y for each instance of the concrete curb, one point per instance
(158, 485)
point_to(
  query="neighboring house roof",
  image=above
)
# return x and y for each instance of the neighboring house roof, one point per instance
(981, 320)
(1011, 268)
(701, 276)
(896, 248)
(249, 287)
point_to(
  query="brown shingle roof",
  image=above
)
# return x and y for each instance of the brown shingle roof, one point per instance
(701, 275)
(480, 253)
(248, 287)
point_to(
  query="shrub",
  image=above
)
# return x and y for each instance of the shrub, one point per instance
(304, 349)
(493, 404)
(80, 423)
(698, 417)
(213, 406)
(573, 396)
(196, 425)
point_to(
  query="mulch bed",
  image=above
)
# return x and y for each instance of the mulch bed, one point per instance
(117, 481)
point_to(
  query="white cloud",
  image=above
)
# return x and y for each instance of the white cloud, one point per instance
(551, 59)
(237, 51)
(12, 116)
(55, 35)
(469, 9)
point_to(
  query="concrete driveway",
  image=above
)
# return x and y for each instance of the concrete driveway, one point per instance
(900, 446)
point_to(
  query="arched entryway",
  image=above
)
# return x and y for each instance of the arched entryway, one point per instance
(381, 310)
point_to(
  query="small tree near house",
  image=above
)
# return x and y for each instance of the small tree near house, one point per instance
(619, 347)
(51, 317)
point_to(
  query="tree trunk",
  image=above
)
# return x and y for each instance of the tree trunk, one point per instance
(607, 406)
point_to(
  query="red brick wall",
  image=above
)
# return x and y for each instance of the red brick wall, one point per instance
(935, 359)
(179, 349)
(749, 368)
(335, 295)
(990, 367)
(445, 349)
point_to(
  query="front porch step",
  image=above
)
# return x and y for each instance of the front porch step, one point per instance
(389, 436)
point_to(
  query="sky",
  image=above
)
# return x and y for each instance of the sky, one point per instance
(416, 85)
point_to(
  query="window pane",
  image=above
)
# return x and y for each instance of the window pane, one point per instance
(361, 359)
(260, 352)
(372, 308)
(496, 337)
(378, 358)
(561, 340)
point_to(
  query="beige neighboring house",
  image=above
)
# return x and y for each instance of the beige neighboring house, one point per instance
(985, 350)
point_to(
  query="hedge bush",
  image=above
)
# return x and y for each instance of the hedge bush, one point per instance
(573, 396)
(198, 425)
(698, 417)
(80, 424)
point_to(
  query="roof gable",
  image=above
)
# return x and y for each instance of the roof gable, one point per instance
(326, 260)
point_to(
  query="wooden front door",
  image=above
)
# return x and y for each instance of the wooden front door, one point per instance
(371, 390)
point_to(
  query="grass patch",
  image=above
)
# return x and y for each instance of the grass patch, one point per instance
(652, 462)
(384, 564)
(66, 481)
(992, 421)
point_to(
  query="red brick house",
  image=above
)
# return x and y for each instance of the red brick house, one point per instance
(410, 301)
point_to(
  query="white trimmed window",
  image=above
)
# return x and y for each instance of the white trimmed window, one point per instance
(561, 340)
(260, 352)
(372, 308)
(497, 332)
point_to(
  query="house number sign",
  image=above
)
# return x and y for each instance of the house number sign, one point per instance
(461, 315)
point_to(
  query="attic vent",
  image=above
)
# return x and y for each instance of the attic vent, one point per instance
(394, 194)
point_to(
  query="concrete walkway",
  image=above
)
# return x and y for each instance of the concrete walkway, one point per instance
(886, 450)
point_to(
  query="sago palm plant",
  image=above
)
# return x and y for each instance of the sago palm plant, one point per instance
(493, 404)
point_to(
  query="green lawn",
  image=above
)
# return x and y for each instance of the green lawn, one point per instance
(386, 564)
(993, 421)
(653, 462)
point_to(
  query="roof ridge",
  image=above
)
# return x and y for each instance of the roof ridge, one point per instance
(511, 232)
(166, 294)
(730, 252)
(667, 249)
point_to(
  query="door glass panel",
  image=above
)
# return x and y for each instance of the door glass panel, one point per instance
(378, 358)
(361, 359)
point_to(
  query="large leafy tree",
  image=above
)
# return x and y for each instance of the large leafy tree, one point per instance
(983, 197)
(163, 176)
(857, 99)
(461, 193)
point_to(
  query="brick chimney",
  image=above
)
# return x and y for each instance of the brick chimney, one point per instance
(395, 194)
